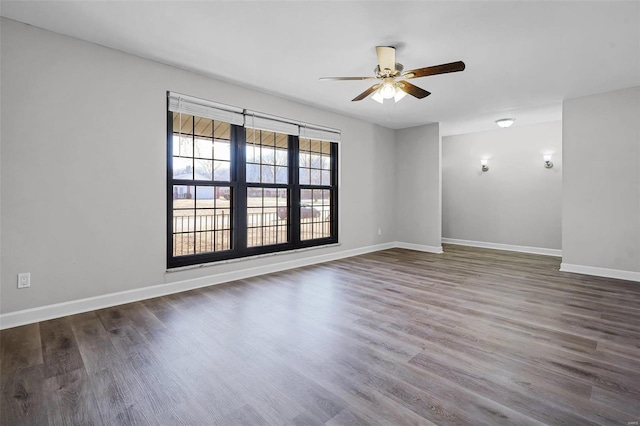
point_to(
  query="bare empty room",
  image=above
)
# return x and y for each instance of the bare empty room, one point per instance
(320, 213)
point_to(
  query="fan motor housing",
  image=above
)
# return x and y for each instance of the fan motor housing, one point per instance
(382, 74)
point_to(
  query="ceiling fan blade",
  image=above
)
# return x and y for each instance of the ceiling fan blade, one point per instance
(386, 58)
(345, 78)
(434, 70)
(366, 93)
(413, 90)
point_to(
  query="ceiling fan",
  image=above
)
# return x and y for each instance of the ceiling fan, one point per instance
(393, 80)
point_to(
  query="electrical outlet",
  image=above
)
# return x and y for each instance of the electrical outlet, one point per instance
(379, 231)
(24, 280)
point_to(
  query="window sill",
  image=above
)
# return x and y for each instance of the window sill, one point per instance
(248, 258)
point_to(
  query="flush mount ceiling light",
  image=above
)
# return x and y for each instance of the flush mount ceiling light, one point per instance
(505, 122)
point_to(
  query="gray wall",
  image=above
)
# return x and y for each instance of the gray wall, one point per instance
(518, 201)
(418, 186)
(83, 168)
(82, 174)
(601, 197)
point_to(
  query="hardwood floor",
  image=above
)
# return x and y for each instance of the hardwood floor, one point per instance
(471, 336)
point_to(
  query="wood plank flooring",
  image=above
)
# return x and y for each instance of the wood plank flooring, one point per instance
(468, 337)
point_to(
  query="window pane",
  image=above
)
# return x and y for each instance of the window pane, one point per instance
(282, 175)
(264, 150)
(314, 162)
(282, 157)
(205, 197)
(203, 148)
(183, 196)
(222, 171)
(223, 240)
(315, 214)
(326, 177)
(251, 153)
(204, 170)
(183, 243)
(204, 127)
(201, 219)
(267, 216)
(183, 223)
(305, 159)
(326, 162)
(182, 145)
(268, 155)
(326, 147)
(282, 141)
(305, 176)
(222, 130)
(182, 123)
(268, 174)
(182, 168)
(205, 219)
(315, 177)
(193, 152)
(222, 150)
(253, 172)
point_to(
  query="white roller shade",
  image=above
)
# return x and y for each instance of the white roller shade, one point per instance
(207, 109)
(270, 124)
(320, 134)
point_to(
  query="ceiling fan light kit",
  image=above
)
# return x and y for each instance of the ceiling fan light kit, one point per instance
(388, 89)
(393, 84)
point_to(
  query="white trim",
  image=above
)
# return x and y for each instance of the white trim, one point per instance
(321, 134)
(600, 272)
(244, 259)
(507, 247)
(418, 247)
(43, 313)
(203, 108)
(254, 121)
(332, 135)
(204, 102)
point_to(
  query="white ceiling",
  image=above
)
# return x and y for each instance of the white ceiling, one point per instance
(523, 58)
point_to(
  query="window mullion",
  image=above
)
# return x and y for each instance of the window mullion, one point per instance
(240, 198)
(334, 190)
(169, 184)
(294, 189)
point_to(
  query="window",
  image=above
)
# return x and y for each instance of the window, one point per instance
(315, 188)
(241, 184)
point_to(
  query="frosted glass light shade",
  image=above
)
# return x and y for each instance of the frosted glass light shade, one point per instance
(505, 122)
(399, 95)
(388, 91)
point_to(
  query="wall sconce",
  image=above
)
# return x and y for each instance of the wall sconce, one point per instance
(484, 162)
(547, 161)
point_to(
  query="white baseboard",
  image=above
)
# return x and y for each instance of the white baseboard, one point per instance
(600, 272)
(43, 313)
(418, 247)
(507, 247)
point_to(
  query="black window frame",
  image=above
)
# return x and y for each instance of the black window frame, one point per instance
(238, 186)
